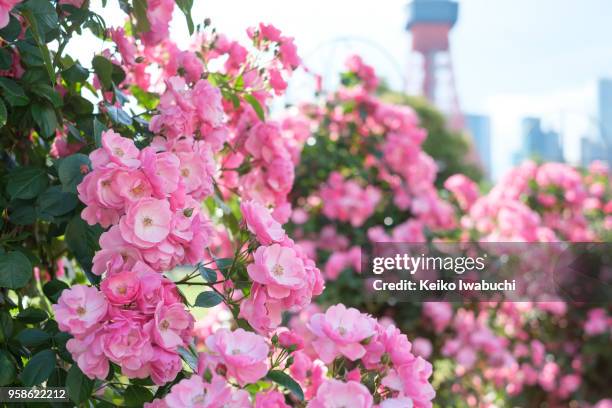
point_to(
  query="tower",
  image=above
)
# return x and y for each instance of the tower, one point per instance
(430, 22)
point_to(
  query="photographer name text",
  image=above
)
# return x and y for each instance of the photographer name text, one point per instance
(438, 285)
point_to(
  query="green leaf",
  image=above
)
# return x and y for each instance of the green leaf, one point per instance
(71, 171)
(78, 385)
(15, 270)
(140, 11)
(26, 182)
(45, 118)
(118, 74)
(75, 74)
(48, 93)
(3, 114)
(147, 99)
(32, 337)
(209, 275)
(12, 30)
(54, 288)
(22, 212)
(118, 115)
(13, 93)
(53, 202)
(39, 368)
(104, 70)
(137, 396)
(34, 16)
(256, 106)
(190, 358)
(45, 14)
(224, 263)
(8, 371)
(6, 59)
(289, 383)
(185, 6)
(6, 326)
(98, 128)
(82, 240)
(208, 299)
(32, 315)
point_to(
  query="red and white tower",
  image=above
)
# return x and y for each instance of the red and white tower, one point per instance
(430, 22)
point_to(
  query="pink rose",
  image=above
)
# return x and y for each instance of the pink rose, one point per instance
(195, 393)
(159, 14)
(164, 365)
(243, 353)
(121, 288)
(79, 309)
(260, 222)
(335, 393)
(162, 170)
(132, 186)
(340, 331)
(171, 325)
(88, 353)
(146, 223)
(262, 313)
(128, 345)
(278, 268)
(207, 102)
(270, 399)
(115, 253)
(120, 150)
(411, 380)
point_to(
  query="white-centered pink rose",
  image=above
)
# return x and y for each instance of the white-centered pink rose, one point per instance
(79, 309)
(341, 331)
(244, 354)
(146, 223)
(260, 222)
(279, 268)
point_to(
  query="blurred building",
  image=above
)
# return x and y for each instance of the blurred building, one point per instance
(604, 103)
(539, 144)
(591, 150)
(479, 127)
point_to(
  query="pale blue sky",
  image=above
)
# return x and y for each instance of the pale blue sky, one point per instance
(511, 57)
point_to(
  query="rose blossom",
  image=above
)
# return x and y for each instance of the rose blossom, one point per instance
(120, 150)
(270, 399)
(260, 222)
(171, 325)
(121, 288)
(243, 353)
(340, 331)
(79, 309)
(278, 268)
(146, 223)
(194, 392)
(88, 353)
(128, 345)
(337, 394)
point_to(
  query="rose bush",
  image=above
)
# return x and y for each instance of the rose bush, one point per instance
(364, 177)
(117, 175)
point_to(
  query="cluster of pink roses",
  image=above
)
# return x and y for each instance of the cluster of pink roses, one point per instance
(149, 198)
(313, 343)
(137, 321)
(345, 200)
(284, 278)
(346, 333)
(534, 203)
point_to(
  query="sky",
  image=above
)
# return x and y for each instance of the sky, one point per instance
(512, 58)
